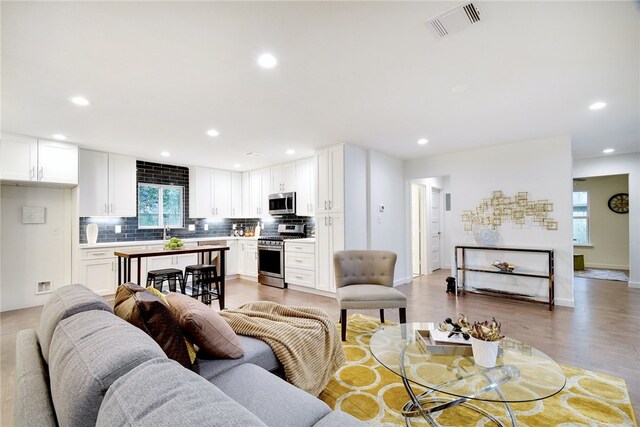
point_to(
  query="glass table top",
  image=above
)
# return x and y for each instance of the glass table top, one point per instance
(522, 373)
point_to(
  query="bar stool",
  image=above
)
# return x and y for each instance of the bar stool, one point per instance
(171, 275)
(203, 276)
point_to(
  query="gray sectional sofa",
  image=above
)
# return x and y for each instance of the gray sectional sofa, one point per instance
(86, 366)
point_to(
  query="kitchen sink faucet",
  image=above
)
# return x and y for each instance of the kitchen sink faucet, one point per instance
(165, 233)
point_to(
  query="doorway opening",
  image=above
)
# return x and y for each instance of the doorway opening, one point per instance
(430, 220)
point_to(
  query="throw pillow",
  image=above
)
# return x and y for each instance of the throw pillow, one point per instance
(146, 311)
(190, 348)
(208, 330)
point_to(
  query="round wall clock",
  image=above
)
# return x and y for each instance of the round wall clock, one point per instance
(619, 203)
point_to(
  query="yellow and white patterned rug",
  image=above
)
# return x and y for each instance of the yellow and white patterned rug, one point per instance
(371, 392)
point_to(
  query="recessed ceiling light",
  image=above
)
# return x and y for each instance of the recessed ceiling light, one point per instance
(267, 60)
(80, 100)
(59, 137)
(423, 141)
(213, 132)
(608, 150)
(290, 151)
(236, 165)
(597, 105)
(165, 154)
(459, 88)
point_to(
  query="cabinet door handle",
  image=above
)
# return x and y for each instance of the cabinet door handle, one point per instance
(329, 204)
(330, 222)
(112, 266)
(325, 205)
(311, 208)
(106, 209)
(325, 220)
(233, 211)
(41, 173)
(111, 207)
(297, 260)
(32, 172)
(97, 253)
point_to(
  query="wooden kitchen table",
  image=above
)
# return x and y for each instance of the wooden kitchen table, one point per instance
(125, 257)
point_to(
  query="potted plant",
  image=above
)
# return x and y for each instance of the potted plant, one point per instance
(484, 342)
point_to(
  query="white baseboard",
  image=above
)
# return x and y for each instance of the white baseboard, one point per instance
(634, 284)
(402, 281)
(607, 266)
(564, 302)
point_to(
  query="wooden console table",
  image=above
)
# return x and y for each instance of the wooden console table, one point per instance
(125, 257)
(462, 268)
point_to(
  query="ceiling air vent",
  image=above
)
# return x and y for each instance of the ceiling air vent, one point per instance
(456, 19)
(252, 154)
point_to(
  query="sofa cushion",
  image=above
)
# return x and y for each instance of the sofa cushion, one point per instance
(267, 396)
(89, 351)
(32, 405)
(141, 308)
(162, 393)
(65, 302)
(256, 352)
(208, 330)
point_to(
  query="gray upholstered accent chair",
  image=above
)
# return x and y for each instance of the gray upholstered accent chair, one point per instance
(364, 280)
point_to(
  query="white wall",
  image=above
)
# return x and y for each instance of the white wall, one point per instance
(32, 253)
(386, 184)
(355, 197)
(615, 165)
(541, 167)
(608, 231)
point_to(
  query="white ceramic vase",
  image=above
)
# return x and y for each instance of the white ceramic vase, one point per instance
(485, 353)
(485, 235)
(92, 233)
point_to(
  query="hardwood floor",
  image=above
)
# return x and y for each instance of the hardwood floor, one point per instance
(599, 334)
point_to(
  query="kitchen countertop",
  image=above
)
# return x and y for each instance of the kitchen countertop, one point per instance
(160, 242)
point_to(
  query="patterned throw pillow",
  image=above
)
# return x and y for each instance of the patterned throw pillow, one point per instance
(148, 312)
(208, 330)
(190, 348)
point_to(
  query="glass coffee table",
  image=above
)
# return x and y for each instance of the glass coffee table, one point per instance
(522, 374)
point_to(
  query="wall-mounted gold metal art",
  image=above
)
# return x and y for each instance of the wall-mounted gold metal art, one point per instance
(498, 209)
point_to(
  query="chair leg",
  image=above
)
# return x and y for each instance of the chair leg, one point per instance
(343, 324)
(403, 315)
(382, 315)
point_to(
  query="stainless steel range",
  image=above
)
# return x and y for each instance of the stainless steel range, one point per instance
(271, 254)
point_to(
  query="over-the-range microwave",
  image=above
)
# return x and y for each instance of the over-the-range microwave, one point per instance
(282, 203)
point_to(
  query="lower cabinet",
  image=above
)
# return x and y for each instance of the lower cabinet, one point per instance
(329, 239)
(99, 269)
(248, 258)
(299, 263)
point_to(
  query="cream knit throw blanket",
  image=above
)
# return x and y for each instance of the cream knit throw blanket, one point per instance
(304, 339)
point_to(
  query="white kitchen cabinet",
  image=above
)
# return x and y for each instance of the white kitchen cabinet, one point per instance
(329, 239)
(236, 195)
(330, 174)
(107, 184)
(305, 187)
(231, 257)
(246, 194)
(209, 193)
(283, 178)
(29, 159)
(259, 190)
(248, 258)
(99, 269)
(299, 263)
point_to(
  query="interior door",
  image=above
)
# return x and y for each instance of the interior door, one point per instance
(435, 229)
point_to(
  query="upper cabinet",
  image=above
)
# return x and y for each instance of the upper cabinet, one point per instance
(259, 189)
(42, 161)
(305, 187)
(283, 178)
(107, 184)
(330, 185)
(209, 193)
(236, 195)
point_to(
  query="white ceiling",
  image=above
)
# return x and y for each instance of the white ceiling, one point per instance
(158, 75)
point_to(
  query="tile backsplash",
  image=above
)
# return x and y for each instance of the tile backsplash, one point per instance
(156, 173)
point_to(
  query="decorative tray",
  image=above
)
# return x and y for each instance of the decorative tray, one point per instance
(423, 338)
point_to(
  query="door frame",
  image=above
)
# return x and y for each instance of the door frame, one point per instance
(427, 219)
(422, 229)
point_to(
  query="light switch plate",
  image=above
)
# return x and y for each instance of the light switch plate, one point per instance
(192, 227)
(206, 227)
